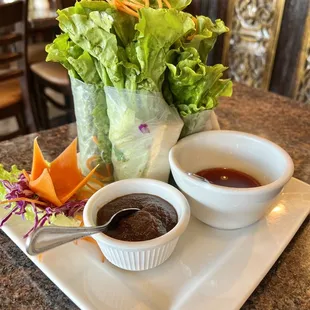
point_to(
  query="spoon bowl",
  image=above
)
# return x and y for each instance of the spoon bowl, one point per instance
(198, 177)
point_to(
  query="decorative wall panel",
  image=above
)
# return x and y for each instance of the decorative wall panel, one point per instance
(302, 89)
(250, 46)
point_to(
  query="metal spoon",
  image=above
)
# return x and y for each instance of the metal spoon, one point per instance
(49, 237)
(198, 177)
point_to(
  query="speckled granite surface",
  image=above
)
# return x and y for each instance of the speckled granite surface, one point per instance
(285, 287)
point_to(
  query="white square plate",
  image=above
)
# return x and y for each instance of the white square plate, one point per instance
(210, 268)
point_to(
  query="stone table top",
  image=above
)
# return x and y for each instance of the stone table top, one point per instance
(279, 119)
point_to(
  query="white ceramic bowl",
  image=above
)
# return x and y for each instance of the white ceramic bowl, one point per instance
(141, 255)
(224, 207)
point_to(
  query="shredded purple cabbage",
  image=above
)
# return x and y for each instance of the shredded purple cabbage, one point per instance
(144, 128)
(20, 189)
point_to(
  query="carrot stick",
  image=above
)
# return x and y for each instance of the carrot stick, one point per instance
(25, 173)
(118, 4)
(168, 5)
(196, 29)
(128, 11)
(95, 139)
(98, 175)
(133, 5)
(92, 188)
(83, 194)
(160, 4)
(97, 181)
(24, 199)
(89, 161)
(79, 217)
(147, 3)
(137, 2)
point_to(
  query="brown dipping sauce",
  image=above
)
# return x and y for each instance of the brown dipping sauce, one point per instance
(156, 218)
(229, 178)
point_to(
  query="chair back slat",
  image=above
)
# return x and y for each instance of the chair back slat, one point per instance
(11, 13)
(13, 39)
(10, 38)
(13, 65)
(12, 74)
(7, 58)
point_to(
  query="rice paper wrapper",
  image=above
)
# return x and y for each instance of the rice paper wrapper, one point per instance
(197, 122)
(143, 128)
(93, 129)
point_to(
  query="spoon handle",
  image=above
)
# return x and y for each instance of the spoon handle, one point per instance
(46, 238)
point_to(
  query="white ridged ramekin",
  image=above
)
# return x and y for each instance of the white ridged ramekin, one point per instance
(142, 255)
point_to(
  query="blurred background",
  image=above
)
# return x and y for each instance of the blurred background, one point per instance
(268, 47)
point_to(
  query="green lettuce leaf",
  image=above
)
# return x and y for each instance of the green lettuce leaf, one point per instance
(11, 176)
(62, 220)
(206, 35)
(175, 4)
(97, 41)
(104, 35)
(58, 220)
(102, 125)
(193, 86)
(90, 5)
(92, 121)
(79, 63)
(157, 30)
(85, 67)
(180, 4)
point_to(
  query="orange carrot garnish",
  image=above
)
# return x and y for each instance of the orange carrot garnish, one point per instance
(24, 199)
(147, 3)
(136, 2)
(95, 139)
(44, 187)
(79, 217)
(91, 188)
(90, 160)
(25, 173)
(196, 28)
(38, 161)
(160, 3)
(97, 182)
(133, 5)
(83, 194)
(117, 4)
(127, 10)
(168, 5)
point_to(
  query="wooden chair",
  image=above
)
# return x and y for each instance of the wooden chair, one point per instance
(14, 95)
(61, 4)
(49, 76)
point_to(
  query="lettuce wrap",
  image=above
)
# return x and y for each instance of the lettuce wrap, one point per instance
(129, 62)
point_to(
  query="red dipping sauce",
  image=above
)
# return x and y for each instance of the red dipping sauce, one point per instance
(229, 178)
